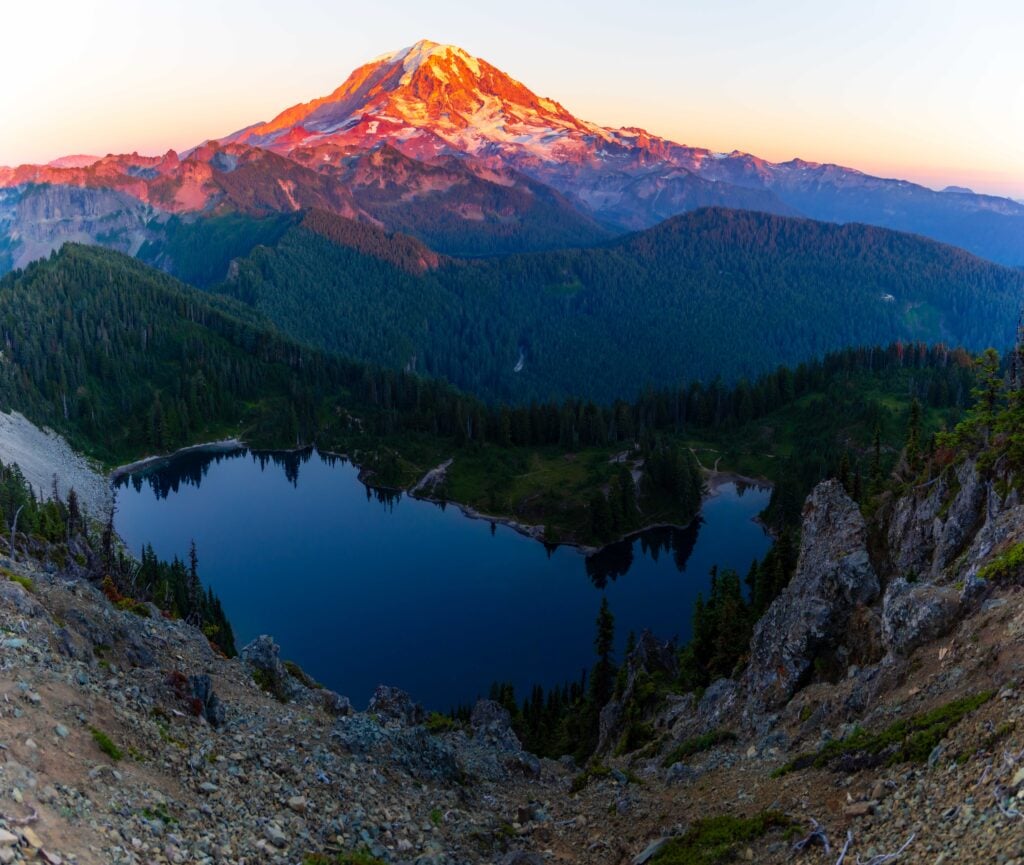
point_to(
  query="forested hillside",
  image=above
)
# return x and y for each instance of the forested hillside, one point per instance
(713, 293)
(127, 361)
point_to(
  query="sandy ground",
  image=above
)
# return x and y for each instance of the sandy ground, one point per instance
(41, 454)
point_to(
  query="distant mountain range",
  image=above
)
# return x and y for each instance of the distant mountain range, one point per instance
(439, 144)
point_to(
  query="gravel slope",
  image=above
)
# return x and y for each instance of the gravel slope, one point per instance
(41, 454)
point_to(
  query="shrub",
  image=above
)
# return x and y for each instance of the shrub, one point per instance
(296, 672)
(106, 744)
(1008, 566)
(716, 839)
(437, 723)
(697, 745)
(594, 770)
(22, 581)
(911, 740)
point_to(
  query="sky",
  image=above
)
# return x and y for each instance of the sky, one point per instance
(927, 90)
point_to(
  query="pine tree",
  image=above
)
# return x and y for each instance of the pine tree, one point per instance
(913, 446)
(844, 471)
(876, 461)
(603, 679)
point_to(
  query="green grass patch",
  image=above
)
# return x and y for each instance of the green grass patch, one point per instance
(159, 812)
(438, 723)
(106, 744)
(133, 606)
(1005, 567)
(22, 581)
(697, 745)
(911, 740)
(591, 773)
(718, 839)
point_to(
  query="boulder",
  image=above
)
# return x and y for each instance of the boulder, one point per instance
(263, 657)
(332, 702)
(492, 722)
(210, 706)
(395, 705)
(811, 617)
(913, 615)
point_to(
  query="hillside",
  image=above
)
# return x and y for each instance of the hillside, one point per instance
(125, 360)
(866, 715)
(711, 293)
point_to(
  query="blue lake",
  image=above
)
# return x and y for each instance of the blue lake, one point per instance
(363, 589)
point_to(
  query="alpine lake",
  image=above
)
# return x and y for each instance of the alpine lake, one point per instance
(363, 587)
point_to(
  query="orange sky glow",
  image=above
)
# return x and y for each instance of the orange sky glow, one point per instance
(926, 91)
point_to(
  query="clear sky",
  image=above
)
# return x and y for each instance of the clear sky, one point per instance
(930, 90)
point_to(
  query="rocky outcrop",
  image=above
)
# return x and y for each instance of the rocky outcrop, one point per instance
(263, 657)
(946, 530)
(913, 615)
(1002, 524)
(396, 706)
(929, 527)
(650, 659)
(834, 576)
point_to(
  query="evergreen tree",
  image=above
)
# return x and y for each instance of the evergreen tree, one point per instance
(876, 460)
(603, 678)
(913, 447)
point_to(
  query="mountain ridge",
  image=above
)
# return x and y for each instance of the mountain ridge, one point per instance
(504, 169)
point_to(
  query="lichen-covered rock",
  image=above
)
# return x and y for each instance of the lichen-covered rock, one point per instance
(913, 615)
(833, 576)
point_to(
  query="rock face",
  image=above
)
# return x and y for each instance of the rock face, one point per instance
(41, 218)
(809, 619)
(928, 530)
(913, 615)
(950, 529)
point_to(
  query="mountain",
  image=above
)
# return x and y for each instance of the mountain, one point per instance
(440, 144)
(713, 292)
(432, 100)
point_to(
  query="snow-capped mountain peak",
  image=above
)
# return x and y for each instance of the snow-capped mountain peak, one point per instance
(428, 99)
